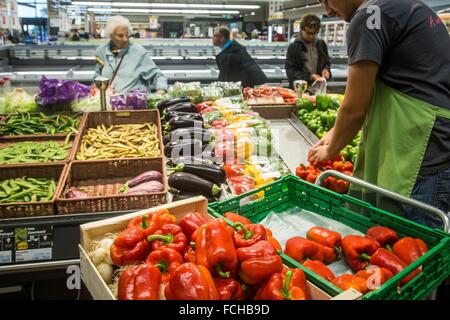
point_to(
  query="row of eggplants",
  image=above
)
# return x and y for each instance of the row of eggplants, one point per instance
(187, 143)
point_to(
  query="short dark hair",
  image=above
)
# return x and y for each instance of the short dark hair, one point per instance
(223, 31)
(310, 21)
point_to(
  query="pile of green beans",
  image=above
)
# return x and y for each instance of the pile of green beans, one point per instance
(27, 190)
(34, 152)
(33, 123)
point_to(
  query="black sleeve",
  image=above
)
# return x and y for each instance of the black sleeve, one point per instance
(295, 67)
(368, 42)
(327, 63)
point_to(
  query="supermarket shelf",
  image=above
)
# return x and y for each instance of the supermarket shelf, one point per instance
(38, 267)
(303, 130)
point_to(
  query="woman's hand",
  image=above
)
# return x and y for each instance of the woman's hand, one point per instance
(326, 74)
(321, 151)
(160, 91)
(317, 78)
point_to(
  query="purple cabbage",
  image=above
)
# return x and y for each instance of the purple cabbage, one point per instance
(137, 99)
(119, 102)
(55, 92)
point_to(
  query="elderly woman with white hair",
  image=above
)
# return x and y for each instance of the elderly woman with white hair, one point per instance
(127, 65)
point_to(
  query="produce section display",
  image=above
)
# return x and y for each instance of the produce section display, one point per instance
(265, 95)
(120, 141)
(194, 257)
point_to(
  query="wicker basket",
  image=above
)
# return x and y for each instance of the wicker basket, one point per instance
(32, 209)
(44, 135)
(110, 118)
(102, 181)
(60, 139)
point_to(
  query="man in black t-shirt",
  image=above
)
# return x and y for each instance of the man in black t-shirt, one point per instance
(399, 88)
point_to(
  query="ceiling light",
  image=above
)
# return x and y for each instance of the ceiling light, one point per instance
(163, 5)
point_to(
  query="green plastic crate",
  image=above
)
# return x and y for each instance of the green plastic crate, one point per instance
(292, 191)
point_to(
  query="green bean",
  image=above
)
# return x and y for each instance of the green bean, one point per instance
(27, 123)
(29, 189)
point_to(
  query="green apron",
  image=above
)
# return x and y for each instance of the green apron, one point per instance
(393, 143)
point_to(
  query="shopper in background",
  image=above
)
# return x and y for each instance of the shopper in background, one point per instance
(234, 62)
(127, 65)
(398, 91)
(234, 36)
(278, 37)
(307, 57)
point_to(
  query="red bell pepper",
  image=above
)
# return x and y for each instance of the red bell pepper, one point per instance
(141, 282)
(272, 240)
(242, 184)
(190, 223)
(301, 249)
(234, 217)
(329, 255)
(422, 246)
(258, 270)
(320, 268)
(375, 276)
(288, 285)
(407, 250)
(347, 281)
(129, 247)
(199, 107)
(152, 221)
(329, 238)
(165, 260)
(248, 235)
(215, 249)
(234, 170)
(168, 236)
(386, 259)
(357, 251)
(229, 289)
(191, 282)
(261, 249)
(348, 166)
(189, 254)
(384, 236)
(301, 172)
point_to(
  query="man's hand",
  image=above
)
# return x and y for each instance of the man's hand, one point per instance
(326, 74)
(321, 151)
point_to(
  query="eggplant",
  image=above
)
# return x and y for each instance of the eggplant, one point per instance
(182, 122)
(184, 181)
(145, 188)
(189, 115)
(205, 135)
(74, 193)
(144, 177)
(181, 107)
(188, 147)
(211, 172)
(187, 195)
(189, 160)
(167, 103)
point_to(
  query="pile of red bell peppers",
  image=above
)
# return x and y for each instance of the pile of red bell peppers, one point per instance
(202, 259)
(310, 173)
(375, 257)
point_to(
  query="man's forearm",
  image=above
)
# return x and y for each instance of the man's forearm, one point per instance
(345, 129)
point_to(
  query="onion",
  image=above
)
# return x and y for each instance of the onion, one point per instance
(106, 271)
(106, 244)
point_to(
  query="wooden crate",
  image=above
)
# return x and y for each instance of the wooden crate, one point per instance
(32, 209)
(110, 118)
(96, 230)
(44, 135)
(103, 179)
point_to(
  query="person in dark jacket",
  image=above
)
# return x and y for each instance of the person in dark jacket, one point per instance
(307, 57)
(234, 62)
